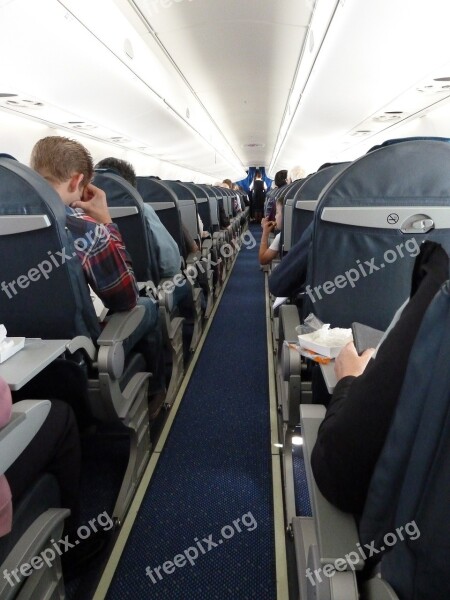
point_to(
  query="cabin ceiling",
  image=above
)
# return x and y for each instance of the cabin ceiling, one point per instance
(219, 85)
(239, 57)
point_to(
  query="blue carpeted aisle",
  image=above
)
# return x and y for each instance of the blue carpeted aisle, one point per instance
(208, 509)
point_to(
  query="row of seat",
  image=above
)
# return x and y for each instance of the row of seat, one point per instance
(365, 222)
(50, 299)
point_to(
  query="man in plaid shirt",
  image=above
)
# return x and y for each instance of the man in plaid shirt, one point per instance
(68, 167)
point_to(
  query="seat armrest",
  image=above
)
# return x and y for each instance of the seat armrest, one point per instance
(336, 531)
(120, 326)
(82, 342)
(206, 244)
(289, 319)
(165, 297)
(26, 419)
(38, 536)
(193, 257)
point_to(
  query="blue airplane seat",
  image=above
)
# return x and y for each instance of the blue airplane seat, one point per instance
(411, 481)
(127, 211)
(306, 196)
(44, 295)
(165, 203)
(187, 206)
(126, 206)
(208, 245)
(368, 226)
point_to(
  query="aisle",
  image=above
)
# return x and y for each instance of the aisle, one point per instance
(205, 527)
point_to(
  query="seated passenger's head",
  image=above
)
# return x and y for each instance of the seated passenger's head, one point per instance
(229, 183)
(122, 168)
(222, 184)
(65, 164)
(296, 173)
(281, 178)
(279, 214)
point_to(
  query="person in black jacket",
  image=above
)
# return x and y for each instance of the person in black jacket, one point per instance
(358, 417)
(258, 188)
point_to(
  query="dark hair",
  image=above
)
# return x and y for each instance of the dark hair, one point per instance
(123, 168)
(281, 178)
(257, 174)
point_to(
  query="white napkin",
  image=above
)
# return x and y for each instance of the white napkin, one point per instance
(4, 342)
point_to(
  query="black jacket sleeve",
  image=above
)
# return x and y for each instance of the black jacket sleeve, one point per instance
(289, 277)
(357, 421)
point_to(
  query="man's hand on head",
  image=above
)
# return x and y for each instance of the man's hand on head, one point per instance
(349, 363)
(94, 204)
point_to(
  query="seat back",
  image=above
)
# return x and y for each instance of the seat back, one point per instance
(187, 207)
(203, 205)
(407, 502)
(300, 206)
(221, 199)
(287, 192)
(44, 293)
(368, 226)
(165, 203)
(127, 211)
(213, 206)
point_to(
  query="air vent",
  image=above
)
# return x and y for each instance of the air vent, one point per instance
(24, 103)
(81, 125)
(7, 95)
(120, 140)
(389, 116)
(188, 113)
(436, 86)
(254, 145)
(361, 132)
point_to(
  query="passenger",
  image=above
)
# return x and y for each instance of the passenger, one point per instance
(267, 254)
(288, 279)
(68, 167)
(363, 404)
(237, 207)
(167, 251)
(296, 173)
(269, 206)
(258, 188)
(54, 449)
(224, 221)
(168, 255)
(280, 178)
